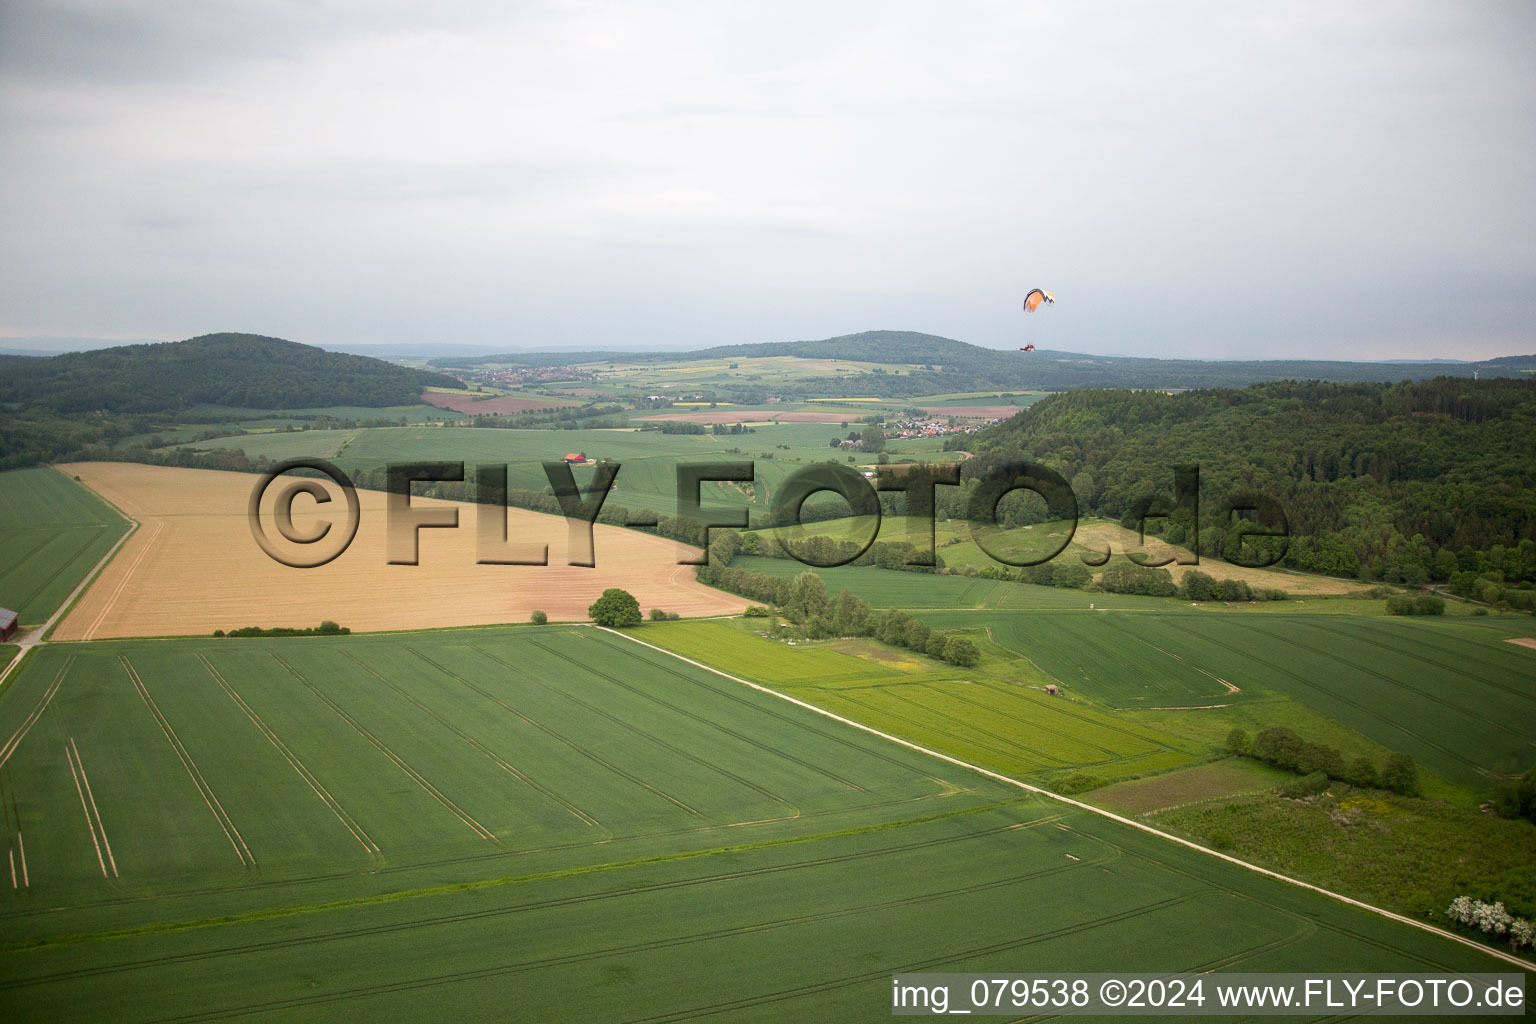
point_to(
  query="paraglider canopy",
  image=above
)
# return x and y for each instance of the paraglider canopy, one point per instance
(1036, 298)
(1028, 348)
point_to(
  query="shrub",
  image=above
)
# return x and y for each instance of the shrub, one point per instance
(1415, 604)
(1362, 773)
(755, 611)
(960, 651)
(1237, 741)
(657, 615)
(1222, 839)
(1315, 757)
(1279, 746)
(616, 609)
(1400, 775)
(538, 618)
(1307, 785)
(1077, 782)
(217, 632)
(938, 643)
(673, 616)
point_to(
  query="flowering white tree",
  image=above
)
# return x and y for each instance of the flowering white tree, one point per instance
(1492, 918)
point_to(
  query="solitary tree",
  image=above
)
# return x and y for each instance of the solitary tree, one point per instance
(616, 608)
(538, 618)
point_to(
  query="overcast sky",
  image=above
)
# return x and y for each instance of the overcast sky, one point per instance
(1211, 180)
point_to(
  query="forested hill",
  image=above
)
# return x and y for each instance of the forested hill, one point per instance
(243, 370)
(1406, 482)
(941, 365)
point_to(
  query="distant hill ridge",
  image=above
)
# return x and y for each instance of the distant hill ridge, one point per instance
(959, 366)
(242, 370)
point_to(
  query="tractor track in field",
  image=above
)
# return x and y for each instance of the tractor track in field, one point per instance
(396, 759)
(480, 748)
(560, 737)
(227, 824)
(684, 712)
(332, 804)
(557, 902)
(631, 727)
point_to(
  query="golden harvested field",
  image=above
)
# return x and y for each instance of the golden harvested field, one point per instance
(193, 566)
(1101, 536)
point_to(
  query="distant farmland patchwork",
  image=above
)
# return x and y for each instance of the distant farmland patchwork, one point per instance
(541, 823)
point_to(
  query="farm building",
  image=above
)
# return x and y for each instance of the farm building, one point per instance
(576, 458)
(7, 623)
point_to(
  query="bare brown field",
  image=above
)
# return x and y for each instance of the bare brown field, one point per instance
(504, 404)
(193, 566)
(1230, 777)
(753, 416)
(1101, 536)
(1523, 641)
(981, 412)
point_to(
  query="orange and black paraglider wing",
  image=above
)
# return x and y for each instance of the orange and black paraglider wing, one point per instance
(1036, 298)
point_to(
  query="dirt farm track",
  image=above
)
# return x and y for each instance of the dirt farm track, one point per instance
(193, 566)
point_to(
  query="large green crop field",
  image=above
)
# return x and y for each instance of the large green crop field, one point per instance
(55, 531)
(648, 458)
(554, 824)
(1451, 694)
(995, 714)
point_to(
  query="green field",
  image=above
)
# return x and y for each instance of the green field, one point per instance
(554, 824)
(55, 531)
(995, 714)
(648, 458)
(1451, 694)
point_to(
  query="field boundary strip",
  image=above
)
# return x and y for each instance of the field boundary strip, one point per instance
(206, 791)
(331, 803)
(1100, 812)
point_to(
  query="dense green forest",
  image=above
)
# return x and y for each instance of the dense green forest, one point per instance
(52, 406)
(1408, 483)
(242, 370)
(942, 365)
